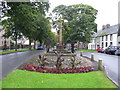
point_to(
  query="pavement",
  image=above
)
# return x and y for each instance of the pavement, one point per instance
(9, 62)
(111, 62)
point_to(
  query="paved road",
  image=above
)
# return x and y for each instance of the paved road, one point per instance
(110, 62)
(10, 62)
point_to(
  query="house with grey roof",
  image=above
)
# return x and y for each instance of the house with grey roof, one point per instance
(105, 37)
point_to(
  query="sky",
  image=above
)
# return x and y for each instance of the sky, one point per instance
(107, 9)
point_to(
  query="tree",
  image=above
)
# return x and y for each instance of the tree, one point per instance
(37, 24)
(81, 22)
(10, 24)
(28, 19)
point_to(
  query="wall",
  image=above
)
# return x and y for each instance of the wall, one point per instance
(92, 45)
(2, 40)
(118, 41)
(97, 42)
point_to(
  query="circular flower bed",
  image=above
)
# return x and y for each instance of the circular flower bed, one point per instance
(54, 70)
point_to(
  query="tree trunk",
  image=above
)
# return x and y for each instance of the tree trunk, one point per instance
(16, 41)
(15, 44)
(5, 46)
(40, 42)
(34, 44)
(72, 47)
(29, 44)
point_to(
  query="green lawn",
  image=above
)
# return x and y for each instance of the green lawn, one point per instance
(84, 50)
(13, 51)
(27, 79)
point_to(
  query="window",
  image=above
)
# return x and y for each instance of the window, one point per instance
(106, 44)
(106, 37)
(110, 43)
(102, 38)
(91, 46)
(98, 46)
(111, 37)
(102, 44)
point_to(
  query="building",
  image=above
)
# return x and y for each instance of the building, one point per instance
(119, 36)
(8, 43)
(105, 37)
(3, 41)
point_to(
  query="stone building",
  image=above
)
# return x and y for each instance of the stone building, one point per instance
(8, 43)
(3, 41)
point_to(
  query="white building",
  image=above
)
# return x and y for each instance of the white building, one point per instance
(119, 36)
(105, 37)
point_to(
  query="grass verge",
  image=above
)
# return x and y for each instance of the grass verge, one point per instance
(85, 50)
(13, 51)
(27, 79)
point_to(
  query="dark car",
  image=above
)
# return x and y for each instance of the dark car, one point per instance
(111, 49)
(107, 50)
(117, 52)
(40, 48)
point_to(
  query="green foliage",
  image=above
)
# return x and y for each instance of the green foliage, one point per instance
(27, 19)
(12, 51)
(84, 50)
(81, 22)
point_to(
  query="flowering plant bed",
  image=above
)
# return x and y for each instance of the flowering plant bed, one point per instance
(54, 70)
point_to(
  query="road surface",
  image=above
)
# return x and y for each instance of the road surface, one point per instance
(9, 62)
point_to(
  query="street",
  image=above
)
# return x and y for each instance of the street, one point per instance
(111, 62)
(9, 62)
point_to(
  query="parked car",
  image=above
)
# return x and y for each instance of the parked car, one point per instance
(100, 50)
(40, 48)
(117, 52)
(111, 49)
(107, 50)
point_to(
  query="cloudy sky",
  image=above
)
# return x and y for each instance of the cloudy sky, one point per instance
(107, 9)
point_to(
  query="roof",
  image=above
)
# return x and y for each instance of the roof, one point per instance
(111, 30)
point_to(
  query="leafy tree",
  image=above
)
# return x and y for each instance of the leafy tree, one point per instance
(81, 22)
(10, 24)
(33, 22)
(28, 19)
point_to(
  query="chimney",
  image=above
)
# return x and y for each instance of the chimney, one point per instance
(103, 27)
(107, 25)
